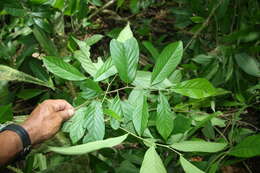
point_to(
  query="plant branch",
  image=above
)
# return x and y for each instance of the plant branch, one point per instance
(108, 4)
(205, 23)
(145, 140)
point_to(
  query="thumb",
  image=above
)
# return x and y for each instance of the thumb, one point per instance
(66, 114)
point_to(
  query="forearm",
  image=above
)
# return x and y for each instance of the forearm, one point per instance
(10, 146)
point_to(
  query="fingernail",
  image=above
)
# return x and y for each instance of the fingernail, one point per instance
(71, 112)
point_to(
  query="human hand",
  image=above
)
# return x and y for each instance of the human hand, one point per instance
(46, 119)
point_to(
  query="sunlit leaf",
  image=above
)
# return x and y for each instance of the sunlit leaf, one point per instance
(125, 57)
(152, 162)
(105, 71)
(10, 74)
(167, 62)
(199, 146)
(89, 147)
(195, 88)
(188, 167)
(95, 121)
(125, 34)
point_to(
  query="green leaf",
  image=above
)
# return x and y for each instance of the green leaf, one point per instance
(143, 80)
(152, 162)
(249, 64)
(125, 57)
(93, 39)
(95, 121)
(152, 50)
(90, 84)
(164, 117)
(181, 124)
(29, 93)
(167, 62)
(38, 70)
(203, 59)
(125, 34)
(248, 147)
(188, 167)
(112, 114)
(10, 74)
(175, 77)
(140, 114)
(89, 147)
(199, 146)
(202, 123)
(197, 19)
(105, 71)
(116, 107)
(62, 69)
(75, 126)
(45, 42)
(195, 88)
(85, 61)
(6, 113)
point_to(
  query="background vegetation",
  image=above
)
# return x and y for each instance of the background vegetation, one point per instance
(181, 78)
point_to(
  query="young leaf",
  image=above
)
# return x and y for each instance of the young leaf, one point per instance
(125, 57)
(195, 88)
(199, 146)
(167, 62)
(140, 114)
(152, 162)
(248, 64)
(125, 34)
(105, 71)
(249, 147)
(10, 74)
(95, 121)
(188, 167)
(89, 147)
(62, 69)
(164, 117)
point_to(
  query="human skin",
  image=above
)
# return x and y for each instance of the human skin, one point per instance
(42, 124)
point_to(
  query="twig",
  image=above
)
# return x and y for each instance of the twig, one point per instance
(123, 88)
(108, 87)
(145, 140)
(203, 25)
(108, 4)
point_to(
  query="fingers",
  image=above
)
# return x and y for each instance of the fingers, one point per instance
(61, 108)
(58, 105)
(65, 114)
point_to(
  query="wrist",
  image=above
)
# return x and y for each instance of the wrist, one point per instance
(31, 131)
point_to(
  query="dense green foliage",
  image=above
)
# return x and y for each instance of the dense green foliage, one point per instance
(159, 86)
